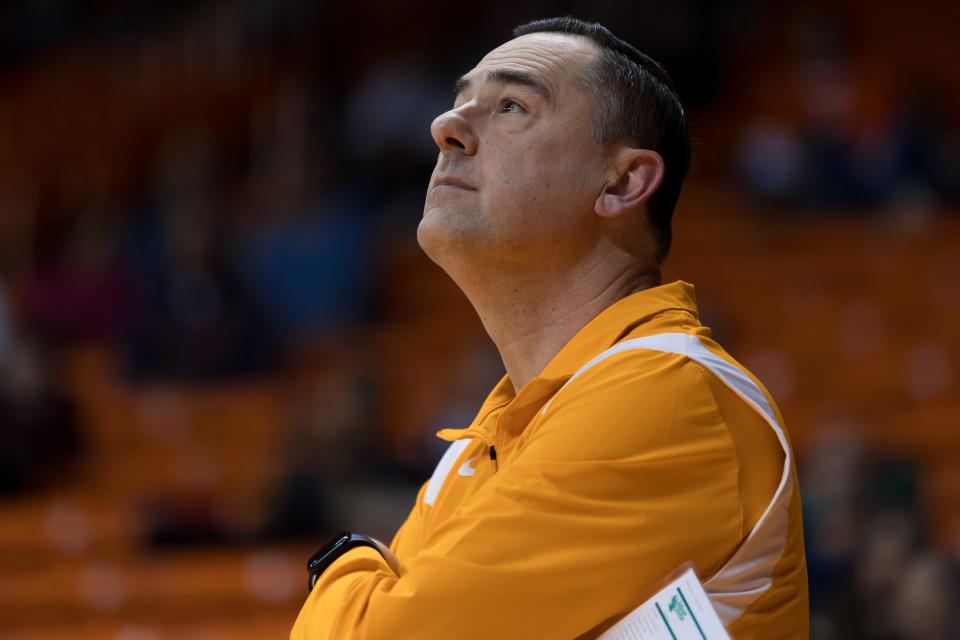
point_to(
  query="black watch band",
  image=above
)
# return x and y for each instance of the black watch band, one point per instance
(339, 545)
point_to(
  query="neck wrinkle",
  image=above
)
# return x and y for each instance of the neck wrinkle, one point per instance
(530, 334)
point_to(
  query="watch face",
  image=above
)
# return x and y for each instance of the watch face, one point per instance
(319, 556)
(319, 560)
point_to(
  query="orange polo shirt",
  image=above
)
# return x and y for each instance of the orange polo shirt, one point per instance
(642, 445)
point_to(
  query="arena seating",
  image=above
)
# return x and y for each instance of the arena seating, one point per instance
(848, 318)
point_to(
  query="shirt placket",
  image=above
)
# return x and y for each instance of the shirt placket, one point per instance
(517, 415)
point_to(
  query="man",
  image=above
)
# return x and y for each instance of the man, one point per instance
(622, 441)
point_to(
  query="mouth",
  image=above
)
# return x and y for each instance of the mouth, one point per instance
(451, 181)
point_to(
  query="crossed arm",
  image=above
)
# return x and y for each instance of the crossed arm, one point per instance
(565, 538)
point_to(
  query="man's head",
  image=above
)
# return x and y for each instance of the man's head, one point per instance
(561, 137)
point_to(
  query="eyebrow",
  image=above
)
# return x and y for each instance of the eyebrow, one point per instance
(508, 76)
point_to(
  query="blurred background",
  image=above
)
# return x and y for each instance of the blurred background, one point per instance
(220, 342)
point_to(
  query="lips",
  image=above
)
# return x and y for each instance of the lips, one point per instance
(453, 181)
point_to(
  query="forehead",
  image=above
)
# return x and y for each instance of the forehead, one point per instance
(554, 58)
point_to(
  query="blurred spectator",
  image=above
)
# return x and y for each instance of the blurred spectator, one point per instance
(772, 161)
(872, 572)
(926, 145)
(305, 247)
(196, 319)
(834, 502)
(40, 435)
(925, 601)
(327, 433)
(387, 115)
(309, 266)
(890, 540)
(83, 293)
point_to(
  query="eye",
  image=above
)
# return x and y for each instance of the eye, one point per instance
(508, 105)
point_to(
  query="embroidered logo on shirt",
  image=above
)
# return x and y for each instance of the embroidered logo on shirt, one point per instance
(466, 469)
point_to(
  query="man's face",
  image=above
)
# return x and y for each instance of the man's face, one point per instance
(518, 171)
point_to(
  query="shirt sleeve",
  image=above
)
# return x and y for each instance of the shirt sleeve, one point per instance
(408, 539)
(630, 474)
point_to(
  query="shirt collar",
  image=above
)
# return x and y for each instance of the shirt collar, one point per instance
(613, 323)
(603, 331)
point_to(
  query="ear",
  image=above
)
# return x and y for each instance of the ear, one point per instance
(637, 173)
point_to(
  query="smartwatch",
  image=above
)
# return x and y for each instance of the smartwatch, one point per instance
(341, 543)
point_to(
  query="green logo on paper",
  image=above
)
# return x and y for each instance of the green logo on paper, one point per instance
(676, 606)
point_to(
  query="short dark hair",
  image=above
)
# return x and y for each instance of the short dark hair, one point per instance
(637, 103)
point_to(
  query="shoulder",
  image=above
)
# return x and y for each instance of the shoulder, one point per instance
(635, 399)
(647, 368)
(659, 393)
(636, 370)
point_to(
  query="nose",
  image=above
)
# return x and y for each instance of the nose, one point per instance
(451, 132)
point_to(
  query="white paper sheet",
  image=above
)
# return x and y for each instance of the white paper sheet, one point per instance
(679, 611)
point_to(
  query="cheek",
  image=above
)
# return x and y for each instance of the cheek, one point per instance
(546, 179)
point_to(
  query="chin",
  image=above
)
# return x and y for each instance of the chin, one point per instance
(433, 233)
(443, 236)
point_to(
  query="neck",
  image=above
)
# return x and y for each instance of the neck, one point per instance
(530, 317)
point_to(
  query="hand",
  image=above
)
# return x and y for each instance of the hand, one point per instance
(389, 556)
